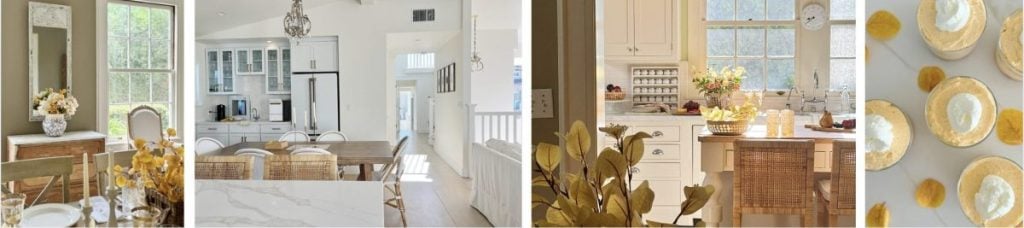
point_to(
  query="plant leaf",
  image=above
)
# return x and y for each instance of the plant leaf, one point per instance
(642, 198)
(567, 207)
(548, 156)
(611, 188)
(539, 200)
(557, 217)
(602, 220)
(581, 192)
(616, 207)
(634, 147)
(539, 181)
(878, 216)
(614, 131)
(611, 163)
(577, 142)
(696, 197)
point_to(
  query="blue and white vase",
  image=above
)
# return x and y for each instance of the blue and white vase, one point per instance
(54, 125)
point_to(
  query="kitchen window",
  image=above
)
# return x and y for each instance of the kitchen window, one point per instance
(842, 50)
(140, 62)
(759, 35)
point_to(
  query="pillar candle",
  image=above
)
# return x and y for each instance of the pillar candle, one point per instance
(85, 176)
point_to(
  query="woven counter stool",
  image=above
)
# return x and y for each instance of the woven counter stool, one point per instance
(837, 195)
(773, 177)
(300, 167)
(224, 167)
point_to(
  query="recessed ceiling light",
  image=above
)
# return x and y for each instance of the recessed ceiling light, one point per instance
(270, 42)
(221, 13)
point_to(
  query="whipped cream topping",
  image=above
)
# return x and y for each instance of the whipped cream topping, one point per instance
(964, 112)
(879, 135)
(994, 199)
(952, 15)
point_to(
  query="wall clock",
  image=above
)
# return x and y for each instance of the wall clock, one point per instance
(812, 17)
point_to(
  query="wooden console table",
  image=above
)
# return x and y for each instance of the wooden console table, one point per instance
(21, 147)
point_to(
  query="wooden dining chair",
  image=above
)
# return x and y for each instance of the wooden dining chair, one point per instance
(304, 167)
(773, 177)
(837, 194)
(332, 136)
(145, 123)
(391, 178)
(207, 145)
(122, 158)
(53, 167)
(294, 136)
(224, 167)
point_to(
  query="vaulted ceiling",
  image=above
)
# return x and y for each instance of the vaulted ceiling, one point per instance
(217, 15)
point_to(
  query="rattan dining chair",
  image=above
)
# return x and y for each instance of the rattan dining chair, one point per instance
(294, 136)
(224, 167)
(837, 194)
(332, 136)
(122, 158)
(391, 178)
(207, 145)
(773, 177)
(53, 167)
(303, 167)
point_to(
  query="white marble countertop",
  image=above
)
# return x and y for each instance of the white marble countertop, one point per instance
(892, 75)
(42, 138)
(258, 203)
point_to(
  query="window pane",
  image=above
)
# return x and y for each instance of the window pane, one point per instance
(781, 41)
(117, 120)
(750, 10)
(780, 74)
(755, 73)
(118, 82)
(841, 73)
(117, 20)
(140, 87)
(161, 87)
(717, 64)
(842, 9)
(139, 56)
(842, 44)
(164, 114)
(160, 24)
(117, 52)
(139, 22)
(720, 41)
(781, 10)
(750, 41)
(160, 52)
(721, 10)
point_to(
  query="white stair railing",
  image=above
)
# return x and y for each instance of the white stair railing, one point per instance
(494, 125)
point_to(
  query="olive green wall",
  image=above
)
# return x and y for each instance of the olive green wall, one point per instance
(15, 67)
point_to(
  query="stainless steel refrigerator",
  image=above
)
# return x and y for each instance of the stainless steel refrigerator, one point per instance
(315, 102)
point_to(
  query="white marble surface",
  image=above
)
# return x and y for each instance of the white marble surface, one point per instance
(254, 203)
(42, 138)
(892, 75)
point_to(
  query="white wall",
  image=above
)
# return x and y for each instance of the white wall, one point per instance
(450, 111)
(493, 88)
(425, 87)
(367, 88)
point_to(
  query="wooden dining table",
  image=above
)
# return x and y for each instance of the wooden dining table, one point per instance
(362, 153)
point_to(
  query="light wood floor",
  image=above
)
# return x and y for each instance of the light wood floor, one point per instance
(435, 195)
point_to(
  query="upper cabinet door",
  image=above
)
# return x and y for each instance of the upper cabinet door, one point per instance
(256, 61)
(243, 64)
(618, 27)
(273, 77)
(302, 57)
(227, 74)
(655, 27)
(212, 72)
(325, 56)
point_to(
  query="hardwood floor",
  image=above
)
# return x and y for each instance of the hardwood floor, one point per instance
(434, 194)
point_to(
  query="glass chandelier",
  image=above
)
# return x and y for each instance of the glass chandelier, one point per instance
(477, 62)
(296, 23)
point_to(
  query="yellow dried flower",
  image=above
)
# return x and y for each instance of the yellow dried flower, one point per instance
(930, 194)
(171, 132)
(878, 216)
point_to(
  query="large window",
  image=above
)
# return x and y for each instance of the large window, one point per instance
(842, 50)
(759, 35)
(140, 63)
(419, 61)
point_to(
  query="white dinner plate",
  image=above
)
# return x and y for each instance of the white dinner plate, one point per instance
(50, 215)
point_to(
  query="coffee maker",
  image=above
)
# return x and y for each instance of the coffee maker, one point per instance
(222, 112)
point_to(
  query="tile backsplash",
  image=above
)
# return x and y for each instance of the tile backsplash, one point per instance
(251, 86)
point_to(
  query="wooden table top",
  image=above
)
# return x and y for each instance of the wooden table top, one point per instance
(349, 152)
(761, 132)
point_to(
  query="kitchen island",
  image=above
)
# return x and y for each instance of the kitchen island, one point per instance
(716, 156)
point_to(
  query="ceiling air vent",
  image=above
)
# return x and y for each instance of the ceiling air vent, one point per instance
(421, 15)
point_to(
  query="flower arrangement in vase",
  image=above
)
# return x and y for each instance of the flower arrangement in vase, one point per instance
(56, 107)
(160, 171)
(718, 86)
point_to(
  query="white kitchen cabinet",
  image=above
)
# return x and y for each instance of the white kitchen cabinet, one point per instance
(250, 61)
(314, 55)
(642, 29)
(220, 72)
(237, 132)
(279, 72)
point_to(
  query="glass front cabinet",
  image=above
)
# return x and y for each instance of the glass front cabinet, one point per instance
(220, 71)
(279, 72)
(250, 61)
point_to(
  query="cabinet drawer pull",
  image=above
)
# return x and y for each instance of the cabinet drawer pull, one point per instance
(634, 170)
(658, 134)
(658, 152)
(276, 128)
(212, 129)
